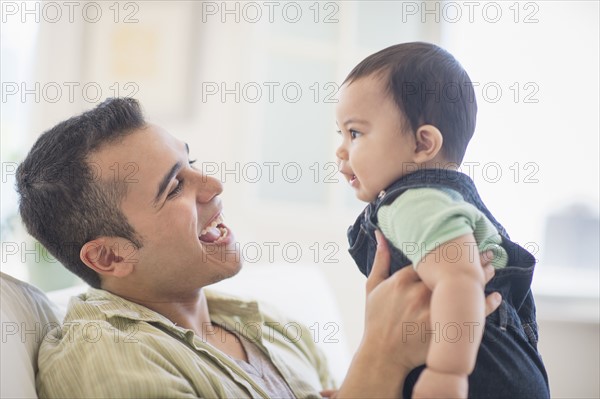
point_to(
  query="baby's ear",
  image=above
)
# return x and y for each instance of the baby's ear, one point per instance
(429, 142)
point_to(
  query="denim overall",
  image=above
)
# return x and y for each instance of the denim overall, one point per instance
(508, 364)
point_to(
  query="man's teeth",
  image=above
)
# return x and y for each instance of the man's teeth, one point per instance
(224, 233)
(213, 225)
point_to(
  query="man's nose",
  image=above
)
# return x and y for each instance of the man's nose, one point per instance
(208, 187)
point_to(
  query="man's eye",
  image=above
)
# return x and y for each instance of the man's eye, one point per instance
(176, 190)
(191, 163)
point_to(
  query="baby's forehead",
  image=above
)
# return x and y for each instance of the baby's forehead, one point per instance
(373, 82)
(378, 77)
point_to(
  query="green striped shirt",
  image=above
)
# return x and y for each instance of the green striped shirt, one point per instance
(108, 346)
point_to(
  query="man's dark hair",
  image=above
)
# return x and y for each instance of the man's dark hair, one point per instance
(429, 86)
(64, 201)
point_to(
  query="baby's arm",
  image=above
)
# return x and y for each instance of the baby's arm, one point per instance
(453, 272)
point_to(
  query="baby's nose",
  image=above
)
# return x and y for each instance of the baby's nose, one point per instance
(341, 154)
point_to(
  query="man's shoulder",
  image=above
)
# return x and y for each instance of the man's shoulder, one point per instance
(98, 323)
(99, 341)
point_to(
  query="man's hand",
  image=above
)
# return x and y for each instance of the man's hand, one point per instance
(390, 348)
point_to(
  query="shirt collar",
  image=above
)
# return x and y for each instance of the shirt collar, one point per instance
(224, 309)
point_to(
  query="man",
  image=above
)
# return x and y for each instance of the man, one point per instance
(148, 242)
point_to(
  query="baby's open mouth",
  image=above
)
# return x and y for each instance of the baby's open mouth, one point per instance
(215, 232)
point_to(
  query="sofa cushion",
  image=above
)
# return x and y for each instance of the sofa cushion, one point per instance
(26, 315)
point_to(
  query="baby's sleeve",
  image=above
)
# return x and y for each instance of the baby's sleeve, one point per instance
(421, 219)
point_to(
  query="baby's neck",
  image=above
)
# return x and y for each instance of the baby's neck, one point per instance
(439, 164)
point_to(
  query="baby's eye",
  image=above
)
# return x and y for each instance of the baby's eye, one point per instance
(354, 134)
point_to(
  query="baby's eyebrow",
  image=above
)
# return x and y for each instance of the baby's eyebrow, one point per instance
(355, 120)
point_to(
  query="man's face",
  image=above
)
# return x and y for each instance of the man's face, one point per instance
(175, 209)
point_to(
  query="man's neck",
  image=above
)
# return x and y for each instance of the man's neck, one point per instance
(189, 312)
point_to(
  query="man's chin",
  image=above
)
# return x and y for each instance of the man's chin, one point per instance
(224, 276)
(226, 270)
(234, 269)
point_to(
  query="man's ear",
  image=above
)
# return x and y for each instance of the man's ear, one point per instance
(429, 142)
(105, 256)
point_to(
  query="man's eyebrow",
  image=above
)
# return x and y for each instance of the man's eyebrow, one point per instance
(165, 181)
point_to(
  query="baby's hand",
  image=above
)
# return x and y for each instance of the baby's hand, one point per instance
(433, 384)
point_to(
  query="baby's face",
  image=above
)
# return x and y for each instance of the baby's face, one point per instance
(374, 151)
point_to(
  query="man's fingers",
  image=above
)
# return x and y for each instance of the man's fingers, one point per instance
(492, 302)
(486, 262)
(381, 263)
(488, 272)
(329, 393)
(486, 257)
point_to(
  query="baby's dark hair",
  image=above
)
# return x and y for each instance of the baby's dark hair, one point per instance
(429, 86)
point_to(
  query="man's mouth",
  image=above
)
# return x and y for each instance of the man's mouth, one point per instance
(215, 233)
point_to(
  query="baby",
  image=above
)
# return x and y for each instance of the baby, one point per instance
(406, 115)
